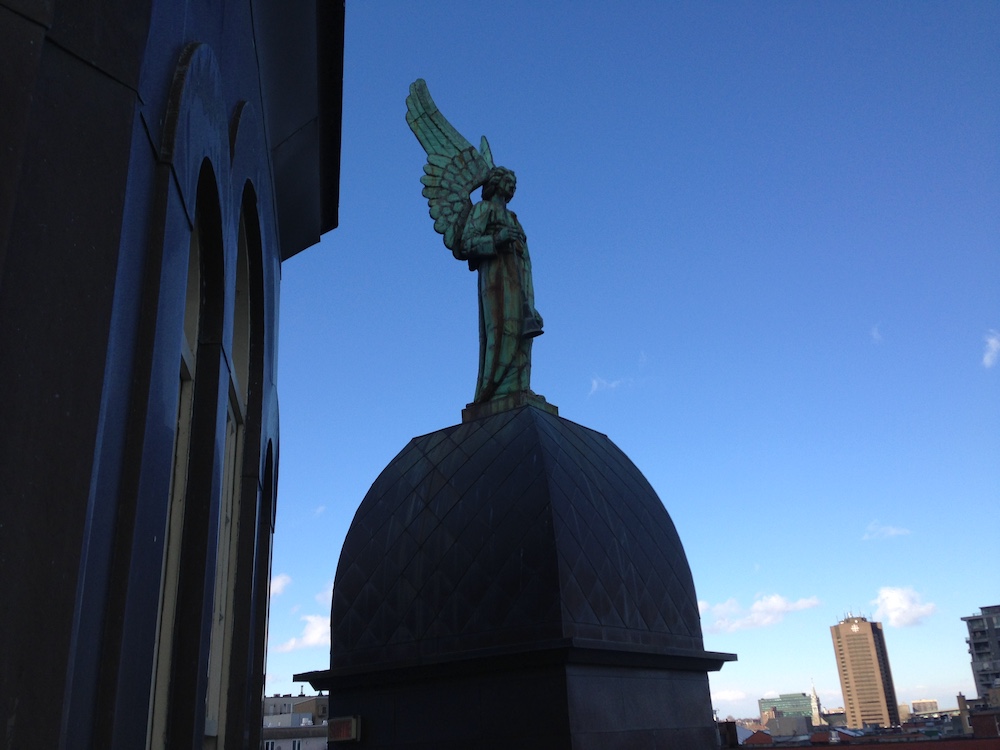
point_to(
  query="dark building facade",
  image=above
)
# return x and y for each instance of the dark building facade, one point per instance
(984, 648)
(159, 160)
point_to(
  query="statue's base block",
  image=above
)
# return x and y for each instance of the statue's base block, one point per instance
(475, 411)
(546, 700)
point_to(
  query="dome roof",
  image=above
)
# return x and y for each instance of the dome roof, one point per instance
(519, 528)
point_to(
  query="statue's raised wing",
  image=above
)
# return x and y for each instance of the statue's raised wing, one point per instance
(454, 167)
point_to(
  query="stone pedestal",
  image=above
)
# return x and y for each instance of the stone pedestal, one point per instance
(514, 581)
(476, 411)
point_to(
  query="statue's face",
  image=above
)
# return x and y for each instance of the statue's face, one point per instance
(508, 185)
(502, 183)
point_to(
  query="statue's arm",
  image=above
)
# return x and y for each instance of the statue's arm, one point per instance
(477, 239)
(479, 246)
(484, 238)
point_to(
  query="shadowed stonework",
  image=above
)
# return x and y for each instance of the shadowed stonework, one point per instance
(520, 565)
(158, 162)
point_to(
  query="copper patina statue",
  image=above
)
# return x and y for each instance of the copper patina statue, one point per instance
(490, 238)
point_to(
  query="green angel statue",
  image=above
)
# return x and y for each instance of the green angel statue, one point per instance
(489, 237)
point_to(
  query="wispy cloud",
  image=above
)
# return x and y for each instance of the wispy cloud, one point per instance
(992, 353)
(728, 696)
(325, 597)
(319, 510)
(315, 633)
(600, 384)
(876, 334)
(729, 616)
(901, 607)
(877, 530)
(279, 583)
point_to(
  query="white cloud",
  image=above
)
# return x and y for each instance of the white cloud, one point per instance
(315, 633)
(325, 597)
(279, 583)
(319, 510)
(877, 530)
(729, 616)
(728, 608)
(728, 696)
(600, 384)
(876, 334)
(901, 607)
(992, 352)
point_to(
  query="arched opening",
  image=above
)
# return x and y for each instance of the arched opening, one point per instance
(187, 369)
(246, 681)
(261, 584)
(228, 674)
(193, 518)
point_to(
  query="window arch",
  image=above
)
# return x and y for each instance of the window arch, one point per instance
(241, 485)
(187, 593)
(170, 573)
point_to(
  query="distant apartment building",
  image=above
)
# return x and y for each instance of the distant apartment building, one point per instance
(924, 706)
(865, 676)
(791, 704)
(295, 722)
(984, 648)
(295, 710)
(835, 717)
(786, 704)
(294, 738)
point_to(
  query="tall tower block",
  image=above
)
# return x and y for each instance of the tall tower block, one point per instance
(865, 676)
(984, 647)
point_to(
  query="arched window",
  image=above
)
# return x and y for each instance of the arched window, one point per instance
(187, 369)
(198, 485)
(234, 520)
(257, 643)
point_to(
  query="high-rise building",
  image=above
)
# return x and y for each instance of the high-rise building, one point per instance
(865, 676)
(984, 647)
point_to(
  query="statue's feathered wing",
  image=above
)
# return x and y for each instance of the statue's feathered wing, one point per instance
(454, 167)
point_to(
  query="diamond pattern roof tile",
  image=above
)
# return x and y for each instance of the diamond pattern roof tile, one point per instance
(520, 526)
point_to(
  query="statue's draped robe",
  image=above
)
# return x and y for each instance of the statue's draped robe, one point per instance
(506, 295)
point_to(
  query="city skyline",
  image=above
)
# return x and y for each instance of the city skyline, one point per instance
(763, 241)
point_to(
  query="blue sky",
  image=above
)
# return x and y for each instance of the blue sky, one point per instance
(765, 243)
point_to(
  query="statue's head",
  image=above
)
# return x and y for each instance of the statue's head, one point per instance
(500, 182)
